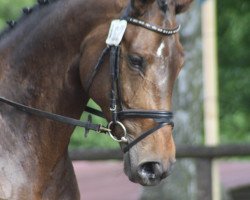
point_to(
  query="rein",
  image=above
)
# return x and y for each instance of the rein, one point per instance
(161, 117)
(88, 125)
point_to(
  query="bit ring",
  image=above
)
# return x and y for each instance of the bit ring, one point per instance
(124, 137)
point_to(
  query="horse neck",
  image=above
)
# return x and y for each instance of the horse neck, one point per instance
(42, 59)
(39, 62)
(39, 65)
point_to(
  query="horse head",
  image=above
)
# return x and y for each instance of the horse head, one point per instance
(148, 64)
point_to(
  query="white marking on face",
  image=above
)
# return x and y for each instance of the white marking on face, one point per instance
(163, 81)
(159, 52)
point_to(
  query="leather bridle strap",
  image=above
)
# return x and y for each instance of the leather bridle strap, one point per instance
(94, 112)
(158, 116)
(152, 27)
(161, 117)
(97, 68)
(142, 136)
(55, 117)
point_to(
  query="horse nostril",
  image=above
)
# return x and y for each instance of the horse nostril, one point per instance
(150, 170)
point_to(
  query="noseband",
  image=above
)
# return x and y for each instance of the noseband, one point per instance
(118, 113)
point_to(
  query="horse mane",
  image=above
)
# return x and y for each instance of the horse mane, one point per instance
(27, 12)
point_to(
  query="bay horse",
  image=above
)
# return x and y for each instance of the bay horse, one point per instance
(47, 61)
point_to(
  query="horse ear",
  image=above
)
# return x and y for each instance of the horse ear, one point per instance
(140, 6)
(182, 5)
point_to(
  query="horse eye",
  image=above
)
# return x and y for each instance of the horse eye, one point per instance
(136, 62)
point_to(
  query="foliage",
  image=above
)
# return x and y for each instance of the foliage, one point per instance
(234, 69)
(12, 9)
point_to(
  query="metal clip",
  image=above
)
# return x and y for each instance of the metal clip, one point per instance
(104, 129)
(113, 109)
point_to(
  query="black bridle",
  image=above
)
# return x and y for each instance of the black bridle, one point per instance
(162, 118)
(118, 113)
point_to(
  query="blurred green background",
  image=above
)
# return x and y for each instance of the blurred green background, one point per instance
(234, 71)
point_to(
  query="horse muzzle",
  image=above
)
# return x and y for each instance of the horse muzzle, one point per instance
(147, 173)
(151, 173)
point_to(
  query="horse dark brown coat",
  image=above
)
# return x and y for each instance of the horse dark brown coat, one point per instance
(45, 62)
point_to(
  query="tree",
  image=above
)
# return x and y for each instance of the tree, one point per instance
(234, 69)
